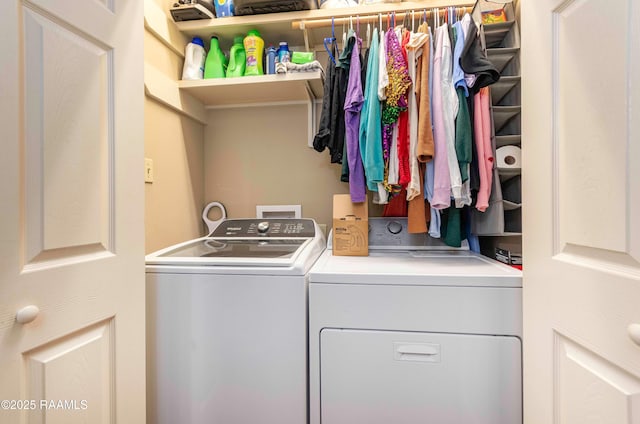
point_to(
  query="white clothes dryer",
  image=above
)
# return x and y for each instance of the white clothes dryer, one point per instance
(227, 324)
(414, 333)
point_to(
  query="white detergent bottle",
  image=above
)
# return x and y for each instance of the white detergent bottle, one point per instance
(194, 58)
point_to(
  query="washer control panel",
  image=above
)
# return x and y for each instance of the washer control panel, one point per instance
(265, 227)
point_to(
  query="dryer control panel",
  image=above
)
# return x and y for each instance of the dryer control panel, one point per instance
(393, 234)
(266, 227)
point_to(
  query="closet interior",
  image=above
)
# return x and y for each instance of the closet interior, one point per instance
(499, 227)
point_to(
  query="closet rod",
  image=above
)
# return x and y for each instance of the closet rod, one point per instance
(369, 17)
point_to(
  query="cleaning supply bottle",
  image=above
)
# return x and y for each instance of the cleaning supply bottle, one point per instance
(284, 55)
(194, 57)
(271, 60)
(254, 47)
(223, 8)
(216, 60)
(237, 59)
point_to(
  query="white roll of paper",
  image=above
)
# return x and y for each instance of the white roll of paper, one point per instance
(509, 157)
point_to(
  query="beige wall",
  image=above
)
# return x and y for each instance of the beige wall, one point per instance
(174, 201)
(242, 158)
(259, 156)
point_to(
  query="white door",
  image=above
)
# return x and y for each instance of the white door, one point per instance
(581, 182)
(71, 212)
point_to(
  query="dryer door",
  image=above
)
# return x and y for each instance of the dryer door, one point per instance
(381, 377)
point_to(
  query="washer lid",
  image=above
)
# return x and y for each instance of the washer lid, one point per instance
(210, 247)
(246, 243)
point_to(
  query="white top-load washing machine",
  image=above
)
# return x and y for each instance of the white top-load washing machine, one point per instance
(227, 324)
(414, 333)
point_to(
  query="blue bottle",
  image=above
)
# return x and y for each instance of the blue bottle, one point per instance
(284, 55)
(271, 60)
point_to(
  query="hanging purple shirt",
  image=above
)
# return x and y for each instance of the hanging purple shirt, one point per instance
(352, 107)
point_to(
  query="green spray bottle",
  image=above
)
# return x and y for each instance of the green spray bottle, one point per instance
(237, 59)
(216, 62)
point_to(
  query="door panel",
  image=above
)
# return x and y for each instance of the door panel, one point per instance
(581, 288)
(78, 369)
(591, 387)
(68, 108)
(71, 233)
(592, 146)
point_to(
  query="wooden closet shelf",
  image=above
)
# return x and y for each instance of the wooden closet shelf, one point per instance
(503, 114)
(503, 87)
(502, 56)
(255, 89)
(494, 34)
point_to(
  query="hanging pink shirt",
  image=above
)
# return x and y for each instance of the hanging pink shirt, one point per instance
(482, 132)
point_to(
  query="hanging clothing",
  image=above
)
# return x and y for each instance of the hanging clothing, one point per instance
(473, 59)
(383, 76)
(424, 148)
(418, 213)
(429, 178)
(404, 171)
(434, 224)
(414, 54)
(370, 126)
(467, 27)
(352, 107)
(342, 79)
(326, 136)
(397, 205)
(442, 180)
(449, 112)
(394, 162)
(482, 129)
(382, 195)
(451, 227)
(458, 73)
(395, 103)
(463, 139)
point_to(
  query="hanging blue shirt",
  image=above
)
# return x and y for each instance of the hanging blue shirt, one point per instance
(458, 73)
(370, 118)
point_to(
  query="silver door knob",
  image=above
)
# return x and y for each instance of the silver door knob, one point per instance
(634, 333)
(27, 314)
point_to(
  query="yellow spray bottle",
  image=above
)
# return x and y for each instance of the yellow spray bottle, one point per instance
(254, 48)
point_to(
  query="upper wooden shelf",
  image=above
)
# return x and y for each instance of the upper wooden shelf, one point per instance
(294, 86)
(276, 27)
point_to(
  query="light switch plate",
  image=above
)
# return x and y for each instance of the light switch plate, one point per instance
(148, 170)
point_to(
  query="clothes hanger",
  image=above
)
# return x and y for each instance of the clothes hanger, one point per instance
(331, 40)
(368, 34)
(344, 35)
(413, 21)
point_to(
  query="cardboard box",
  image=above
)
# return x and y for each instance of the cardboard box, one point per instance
(350, 227)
